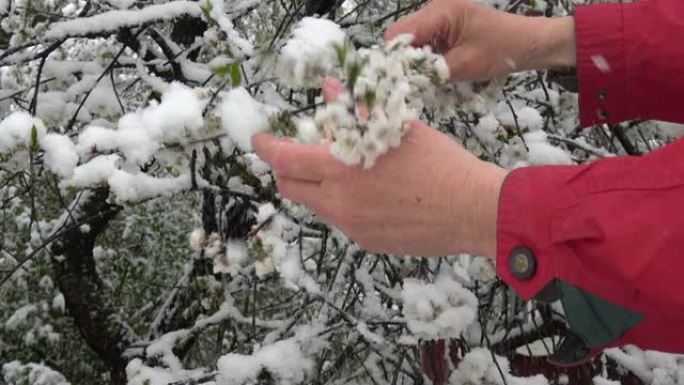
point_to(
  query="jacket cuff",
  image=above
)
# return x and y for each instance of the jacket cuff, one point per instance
(604, 94)
(529, 198)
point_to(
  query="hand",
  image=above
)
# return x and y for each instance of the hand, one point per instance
(427, 197)
(479, 42)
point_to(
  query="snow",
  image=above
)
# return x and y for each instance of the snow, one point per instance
(674, 130)
(542, 152)
(602, 381)
(242, 117)
(31, 373)
(265, 212)
(15, 131)
(372, 305)
(197, 239)
(60, 154)
(51, 105)
(240, 45)
(486, 129)
(481, 269)
(95, 139)
(601, 63)
(140, 134)
(310, 54)
(121, 4)
(114, 20)
(20, 316)
(478, 367)
(233, 258)
(307, 131)
(93, 173)
(46, 283)
(284, 360)
(293, 274)
(128, 187)
(651, 367)
(58, 302)
(102, 100)
(196, 72)
(156, 83)
(140, 374)
(368, 335)
(136, 187)
(237, 368)
(528, 118)
(276, 249)
(438, 310)
(634, 360)
(64, 70)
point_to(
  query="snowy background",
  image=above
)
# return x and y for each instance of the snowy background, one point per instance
(142, 242)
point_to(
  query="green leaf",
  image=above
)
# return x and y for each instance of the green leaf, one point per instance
(108, 55)
(207, 7)
(235, 74)
(221, 71)
(353, 72)
(341, 51)
(369, 98)
(34, 138)
(233, 70)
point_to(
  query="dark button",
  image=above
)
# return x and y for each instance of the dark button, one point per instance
(522, 263)
(602, 95)
(602, 114)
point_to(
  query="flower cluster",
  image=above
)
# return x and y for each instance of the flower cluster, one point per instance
(384, 88)
(266, 251)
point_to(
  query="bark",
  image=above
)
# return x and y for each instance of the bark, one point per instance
(87, 298)
(320, 7)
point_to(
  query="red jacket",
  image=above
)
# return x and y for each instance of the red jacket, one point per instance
(610, 232)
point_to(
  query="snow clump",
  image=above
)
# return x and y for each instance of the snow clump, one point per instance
(442, 309)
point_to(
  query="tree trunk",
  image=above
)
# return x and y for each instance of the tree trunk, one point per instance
(87, 298)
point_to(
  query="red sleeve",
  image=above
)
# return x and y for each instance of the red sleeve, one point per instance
(614, 228)
(630, 61)
(605, 226)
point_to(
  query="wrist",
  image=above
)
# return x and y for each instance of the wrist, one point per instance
(486, 209)
(555, 43)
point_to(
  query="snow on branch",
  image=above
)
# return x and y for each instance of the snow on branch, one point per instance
(114, 20)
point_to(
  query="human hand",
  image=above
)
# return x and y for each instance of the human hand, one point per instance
(480, 42)
(429, 196)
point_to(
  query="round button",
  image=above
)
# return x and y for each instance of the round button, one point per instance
(522, 263)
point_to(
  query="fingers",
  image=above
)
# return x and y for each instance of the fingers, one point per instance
(332, 88)
(293, 160)
(427, 25)
(299, 191)
(462, 64)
